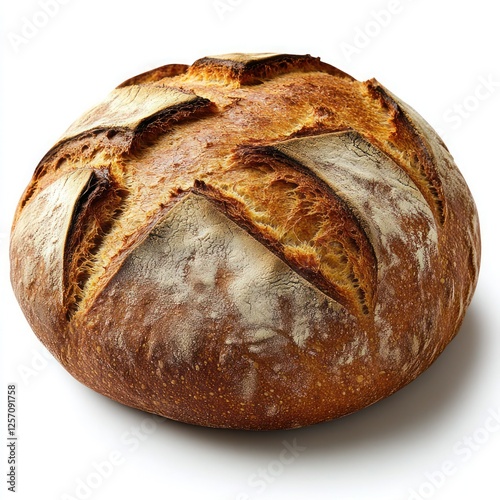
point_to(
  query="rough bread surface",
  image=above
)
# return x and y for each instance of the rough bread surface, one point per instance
(255, 241)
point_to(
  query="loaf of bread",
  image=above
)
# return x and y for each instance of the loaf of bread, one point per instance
(255, 241)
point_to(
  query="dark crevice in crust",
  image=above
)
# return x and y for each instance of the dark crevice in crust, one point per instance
(99, 205)
(122, 139)
(424, 172)
(81, 148)
(366, 288)
(356, 286)
(150, 129)
(315, 130)
(117, 141)
(255, 71)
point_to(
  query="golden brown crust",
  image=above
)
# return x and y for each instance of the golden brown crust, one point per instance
(251, 69)
(303, 221)
(284, 244)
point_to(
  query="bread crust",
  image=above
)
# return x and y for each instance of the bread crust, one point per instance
(256, 241)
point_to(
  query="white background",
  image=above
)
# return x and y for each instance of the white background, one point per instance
(434, 55)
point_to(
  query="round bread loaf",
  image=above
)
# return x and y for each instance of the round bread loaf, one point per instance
(256, 241)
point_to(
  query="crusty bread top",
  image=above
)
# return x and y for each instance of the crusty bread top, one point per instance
(169, 98)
